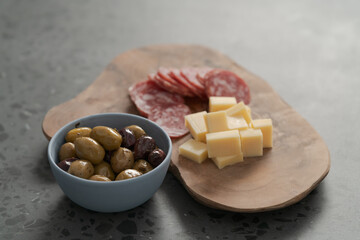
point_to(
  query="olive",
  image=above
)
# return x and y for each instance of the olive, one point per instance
(104, 169)
(137, 131)
(109, 138)
(128, 173)
(81, 168)
(156, 157)
(143, 146)
(77, 132)
(142, 166)
(67, 150)
(65, 164)
(87, 148)
(122, 159)
(128, 137)
(99, 178)
(107, 156)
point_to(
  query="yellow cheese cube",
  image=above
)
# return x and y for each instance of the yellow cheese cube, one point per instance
(248, 109)
(251, 142)
(221, 103)
(226, 143)
(222, 162)
(265, 125)
(194, 150)
(196, 124)
(239, 110)
(238, 123)
(216, 121)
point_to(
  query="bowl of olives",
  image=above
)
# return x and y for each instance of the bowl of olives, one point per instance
(110, 162)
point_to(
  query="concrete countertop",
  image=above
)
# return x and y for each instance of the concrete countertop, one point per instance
(51, 50)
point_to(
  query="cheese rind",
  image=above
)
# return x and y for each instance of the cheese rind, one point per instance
(222, 162)
(266, 127)
(194, 150)
(226, 143)
(251, 142)
(238, 123)
(197, 126)
(221, 103)
(216, 121)
(240, 110)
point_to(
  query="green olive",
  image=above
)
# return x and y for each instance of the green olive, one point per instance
(99, 178)
(77, 132)
(142, 166)
(137, 131)
(128, 173)
(122, 159)
(81, 168)
(67, 150)
(87, 148)
(109, 138)
(104, 169)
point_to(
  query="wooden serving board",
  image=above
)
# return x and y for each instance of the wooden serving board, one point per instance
(296, 164)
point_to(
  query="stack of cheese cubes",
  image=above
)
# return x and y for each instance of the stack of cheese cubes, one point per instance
(226, 134)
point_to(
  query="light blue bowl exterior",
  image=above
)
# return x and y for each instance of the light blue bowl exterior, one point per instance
(113, 196)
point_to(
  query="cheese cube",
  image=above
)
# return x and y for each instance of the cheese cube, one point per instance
(239, 110)
(222, 162)
(238, 123)
(265, 125)
(194, 150)
(197, 126)
(251, 142)
(221, 103)
(216, 121)
(220, 144)
(248, 109)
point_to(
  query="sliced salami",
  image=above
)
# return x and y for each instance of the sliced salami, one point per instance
(147, 95)
(201, 72)
(175, 74)
(190, 75)
(164, 73)
(226, 83)
(167, 86)
(171, 119)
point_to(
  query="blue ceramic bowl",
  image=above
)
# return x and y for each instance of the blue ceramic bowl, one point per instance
(115, 196)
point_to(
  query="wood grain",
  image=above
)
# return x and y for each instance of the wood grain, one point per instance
(296, 164)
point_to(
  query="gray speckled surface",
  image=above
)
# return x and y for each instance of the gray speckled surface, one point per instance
(51, 50)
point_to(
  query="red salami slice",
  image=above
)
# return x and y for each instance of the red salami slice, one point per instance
(190, 75)
(227, 84)
(175, 74)
(171, 119)
(146, 96)
(201, 72)
(164, 73)
(167, 86)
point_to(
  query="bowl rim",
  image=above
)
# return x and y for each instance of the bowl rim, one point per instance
(55, 167)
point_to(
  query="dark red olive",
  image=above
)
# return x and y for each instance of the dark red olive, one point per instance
(107, 156)
(156, 157)
(128, 138)
(65, 164)
(143, 146)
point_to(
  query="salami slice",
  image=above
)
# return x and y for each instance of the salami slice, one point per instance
(175, 74)
(190, 75)
(201, 72)
(227, 84)
(147, 95)
(164, 73)
(166, 85)
(171, 119)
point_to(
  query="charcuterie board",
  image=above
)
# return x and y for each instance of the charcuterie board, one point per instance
(297, 163)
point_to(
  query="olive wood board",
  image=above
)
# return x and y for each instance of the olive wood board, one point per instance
(297, 163)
